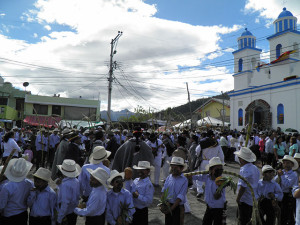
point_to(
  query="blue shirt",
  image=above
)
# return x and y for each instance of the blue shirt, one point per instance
(53, 140)
(127, 184)
(297, 205)
(42, 203)
(2, 183)
(177, 188)
(96, 204)
(145, 189)
(9, 146)
(266, 187)
(113, 205)
(84, 177)
(251, 173)
(210, 190)
(68, 197)
(289, 179)
(13, 197)
(38, 143)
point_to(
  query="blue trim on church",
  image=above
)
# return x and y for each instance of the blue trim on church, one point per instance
(256, 49)
(283, 32)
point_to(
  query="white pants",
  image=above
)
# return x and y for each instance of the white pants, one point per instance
(166, 167)
(157, 166)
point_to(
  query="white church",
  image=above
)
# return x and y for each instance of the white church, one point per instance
(271, 91)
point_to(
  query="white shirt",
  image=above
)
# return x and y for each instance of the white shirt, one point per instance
(9, 146)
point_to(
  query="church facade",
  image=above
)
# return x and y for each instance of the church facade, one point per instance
(270, 92)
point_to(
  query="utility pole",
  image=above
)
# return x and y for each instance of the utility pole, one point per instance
(223, 112)
(187, 88)
(110, 78)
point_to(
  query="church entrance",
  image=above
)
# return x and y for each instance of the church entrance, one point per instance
(262, 117)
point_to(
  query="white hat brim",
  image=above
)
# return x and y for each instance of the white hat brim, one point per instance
(207, 167)
(109, 180)
(42, 178)
(177, 164)
(142, 168)
(252, 159)
(10, 177)
(70, 174)
(98, 179)
(294, 161)
(96, 161)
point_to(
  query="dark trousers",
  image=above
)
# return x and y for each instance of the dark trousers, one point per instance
(140, 216)
(39, 160)
(173, 219)
(71, 219)
(245, 213)
(266, 209)
(288, 208)
(225, 152)
(51, 154)
(20, 219)
(41, 220)
(95, 220)
(213, 216)
(270, 159)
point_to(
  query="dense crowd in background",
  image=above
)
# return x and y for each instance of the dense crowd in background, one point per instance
(105, 175)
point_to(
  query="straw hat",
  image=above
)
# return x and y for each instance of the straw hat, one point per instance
(297, 156)
(100, 175)
(66, 131)
(69, 168)
(178, 161)
(74, 137)
(246, 154)
(17, 169)
(114, 174)
(266, 168)
(43, 174)
(215, 161)
(142, 165)
(98, 155)
(291, 159)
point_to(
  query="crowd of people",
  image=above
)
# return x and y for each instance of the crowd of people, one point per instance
(104, 176)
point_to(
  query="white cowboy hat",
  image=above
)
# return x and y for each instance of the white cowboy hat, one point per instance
(215, 161)
(179, 162)
(98, 155)
(43, 129)
(66, 131)
(69, 168)
(43, 174)
(100, 175)
(55, 130)
(297, 156)
(17, 169)
(86, 131)
(142, 165)
(291, 159)
(114, 174)
(246, 154)
(266, 168)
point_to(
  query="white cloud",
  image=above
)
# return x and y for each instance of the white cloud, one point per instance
(270, 9)
(148, 54)
(35, 35)
(47, 27)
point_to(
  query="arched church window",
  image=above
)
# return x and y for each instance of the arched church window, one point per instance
(240, 116)
(278, 50)
(296, 47)
(280, 114)
(240, 65)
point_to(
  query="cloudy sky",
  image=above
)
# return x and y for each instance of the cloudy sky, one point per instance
(63, 46)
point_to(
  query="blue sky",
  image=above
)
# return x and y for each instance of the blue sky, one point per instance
(62, 46)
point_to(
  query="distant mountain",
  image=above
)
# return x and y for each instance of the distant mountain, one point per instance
(116, 115)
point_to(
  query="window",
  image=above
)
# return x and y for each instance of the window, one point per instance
(20, 104)
(56, 109)
(253, 63)
(280, 26)
(278, 50)
(40, 109)
(286, 25)
(78, 113)
(280, 114)
(240, 116)
(240, 65)
(3, 101)
(2, 110)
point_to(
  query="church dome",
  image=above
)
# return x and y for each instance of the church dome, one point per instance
(285, 13)
(246, 33)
